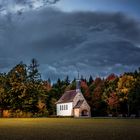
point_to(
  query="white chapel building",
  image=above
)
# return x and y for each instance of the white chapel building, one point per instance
(73, 103)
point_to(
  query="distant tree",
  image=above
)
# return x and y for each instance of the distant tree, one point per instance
(111, 77)
(33, 73)
(85, 89)
(134, 98)
(67, 81)
(49, 81)
(90, 81)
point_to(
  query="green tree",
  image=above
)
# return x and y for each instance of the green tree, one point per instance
(90, 81)
(33, 73)
(67, 81)
(134, 98)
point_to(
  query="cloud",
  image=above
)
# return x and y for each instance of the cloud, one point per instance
(94, 43)
(19, 6)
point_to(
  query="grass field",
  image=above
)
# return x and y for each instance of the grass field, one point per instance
(69, 129)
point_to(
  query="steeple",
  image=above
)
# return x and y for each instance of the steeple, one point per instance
(78, 88)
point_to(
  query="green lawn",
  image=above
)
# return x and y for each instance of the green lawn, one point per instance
(69, 129)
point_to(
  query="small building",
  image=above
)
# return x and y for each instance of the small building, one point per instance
(73, 103)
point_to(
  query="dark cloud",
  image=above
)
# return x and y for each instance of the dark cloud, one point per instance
(91, 42)
(19, 6)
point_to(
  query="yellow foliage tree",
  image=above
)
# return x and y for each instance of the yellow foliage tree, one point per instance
(125, 83)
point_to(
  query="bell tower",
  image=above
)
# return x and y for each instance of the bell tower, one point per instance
(78, 87)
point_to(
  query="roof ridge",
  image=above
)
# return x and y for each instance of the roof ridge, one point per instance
(70, 90)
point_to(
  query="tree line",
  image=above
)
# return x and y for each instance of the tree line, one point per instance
(24, 94)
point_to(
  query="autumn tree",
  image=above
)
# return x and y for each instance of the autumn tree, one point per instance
(125, 83)
(17, 86)
(84, 88)
(113, 103)
(4, 97)
(98, 106)
(109, 91)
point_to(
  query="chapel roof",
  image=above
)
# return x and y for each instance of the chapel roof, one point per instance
(68, 96)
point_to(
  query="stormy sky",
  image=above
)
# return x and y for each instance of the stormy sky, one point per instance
(94, 37)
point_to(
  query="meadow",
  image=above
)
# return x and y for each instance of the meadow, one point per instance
(69, 129)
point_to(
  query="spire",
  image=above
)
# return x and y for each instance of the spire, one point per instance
(78, 89)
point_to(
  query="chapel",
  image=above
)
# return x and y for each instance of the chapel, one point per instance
(73, 103)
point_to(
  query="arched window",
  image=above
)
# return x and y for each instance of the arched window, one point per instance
(84, 113)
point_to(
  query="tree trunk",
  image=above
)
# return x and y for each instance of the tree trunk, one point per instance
(1, 113)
